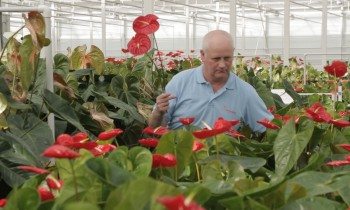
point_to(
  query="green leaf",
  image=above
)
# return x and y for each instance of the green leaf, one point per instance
(315, 203)
(62, 108)
(33, 131)
(108, 172)
(121, 105)
(29, 57)
(9, 174)
(137, 160)
(3, 103)
(77, 59)
(23, 199)
(141, 159)
(318, 183)
(61, 64)
(80, 205)
(22, 146)
(180, 144)
(97, 59)
(126, 88)
(251, 163)
(139, 194)
(289, 145)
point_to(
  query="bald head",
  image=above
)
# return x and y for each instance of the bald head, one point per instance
(216, 38)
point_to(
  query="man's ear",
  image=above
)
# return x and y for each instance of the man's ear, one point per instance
(202, 54)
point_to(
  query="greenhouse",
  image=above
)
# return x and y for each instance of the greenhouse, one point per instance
(174, 104)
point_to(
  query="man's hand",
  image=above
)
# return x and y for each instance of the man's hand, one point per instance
(162, 106)
(162, 102)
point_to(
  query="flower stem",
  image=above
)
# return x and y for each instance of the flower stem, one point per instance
(74, 179)
(217, 148)
(197, 167)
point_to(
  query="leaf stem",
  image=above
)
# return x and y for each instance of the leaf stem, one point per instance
(74, 179)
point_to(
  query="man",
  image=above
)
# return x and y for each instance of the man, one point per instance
(210, 91)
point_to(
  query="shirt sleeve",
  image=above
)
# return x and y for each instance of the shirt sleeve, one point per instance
(256, 110)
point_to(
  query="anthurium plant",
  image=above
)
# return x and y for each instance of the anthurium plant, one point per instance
(103, 155)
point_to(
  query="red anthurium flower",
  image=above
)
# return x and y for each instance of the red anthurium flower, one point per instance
(268, 124)
(318, 113)
(235, 134)
(159, 131)
(59, 151)
(338, 163)
(340, 123)
(45, 194)
(178, 202)
(125, 50)
(186, 120)
(53, 183)
(197, 145)
(102, 149)
(345, 146)
(338, 68)
(80, 137)
(220, 126)
(3, 202)
(149, 142)
(33, 169)
(139, 44)
(110, 134)
(286, 118)
(110, 60)
(347, 158)
(166, 160)
(63, 139)
(146, 24)
(272, 109)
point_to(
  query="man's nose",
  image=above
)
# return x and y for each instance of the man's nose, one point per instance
(222, 62)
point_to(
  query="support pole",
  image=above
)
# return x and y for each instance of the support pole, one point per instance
(324, 32)
(286, 35)
(233, 21)
(103, 24)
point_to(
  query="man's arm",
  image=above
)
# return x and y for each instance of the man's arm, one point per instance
(161, 107)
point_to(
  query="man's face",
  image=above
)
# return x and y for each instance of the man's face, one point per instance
(217, 61)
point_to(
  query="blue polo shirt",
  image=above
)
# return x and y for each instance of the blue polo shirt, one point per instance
(196, 98)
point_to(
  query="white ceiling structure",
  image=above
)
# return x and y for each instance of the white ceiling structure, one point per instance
(202, 12)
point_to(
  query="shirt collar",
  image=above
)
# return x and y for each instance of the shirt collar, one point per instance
(230, 84)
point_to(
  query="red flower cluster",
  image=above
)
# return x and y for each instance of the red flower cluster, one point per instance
(106, 135)
(81, 140)
(159, 131)
(115, 60)
(149, 142)
(344, 162)
(220, 126)
(162, 161)
(268, 124)
(59, 151)
(319, 114)
(186, 120)
(143, 26)
(197, 145)
(235, 134)
(53, 183)
(338, 68)
(45, 194)
(3, 202)
(33, 169)
(178, 202)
